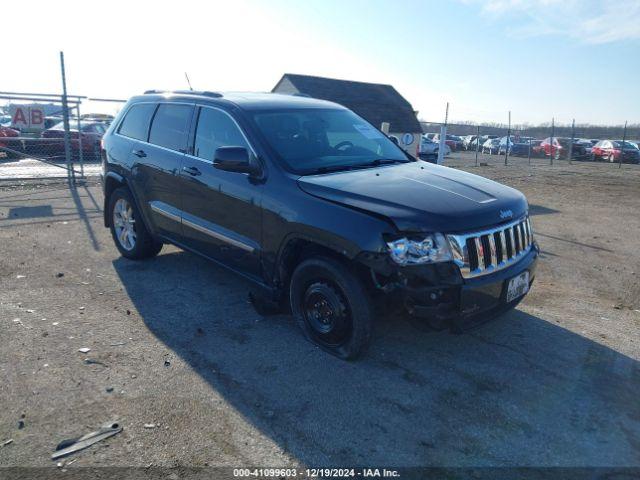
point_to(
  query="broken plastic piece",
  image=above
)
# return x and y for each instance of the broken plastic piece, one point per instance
(67, 447)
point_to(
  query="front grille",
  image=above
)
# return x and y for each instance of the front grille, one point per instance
(479, 253)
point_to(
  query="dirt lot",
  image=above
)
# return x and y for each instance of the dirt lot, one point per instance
(174, 343)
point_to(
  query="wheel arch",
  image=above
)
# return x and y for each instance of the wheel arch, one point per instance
(298, 247)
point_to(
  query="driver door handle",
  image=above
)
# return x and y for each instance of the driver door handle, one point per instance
(192, 171)
(139, 153)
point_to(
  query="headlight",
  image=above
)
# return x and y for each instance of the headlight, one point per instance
(430, 249)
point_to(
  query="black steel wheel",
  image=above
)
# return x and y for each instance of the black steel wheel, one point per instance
(332, 307)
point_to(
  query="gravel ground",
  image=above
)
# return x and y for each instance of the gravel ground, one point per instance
(196, 377)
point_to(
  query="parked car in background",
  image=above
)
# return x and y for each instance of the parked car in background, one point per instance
(610, 151)
(587, 144)
(6, 133)
(429, 149)
(466, 141)
(90, 135)
(560, 148)
(483, 138)
(453, 141)
(491, 146)
(517, 146)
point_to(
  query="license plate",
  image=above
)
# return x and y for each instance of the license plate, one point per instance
(518, 286)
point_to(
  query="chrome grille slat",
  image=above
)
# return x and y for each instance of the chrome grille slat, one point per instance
(479, 253)
(503, 242)
(490, 250)
(513, 242)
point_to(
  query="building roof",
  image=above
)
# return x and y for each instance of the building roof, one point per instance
(375, 102)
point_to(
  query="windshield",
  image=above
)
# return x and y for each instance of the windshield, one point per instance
(319, 140)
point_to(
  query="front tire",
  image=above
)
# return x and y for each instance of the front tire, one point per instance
(332, 307)
(130, 234)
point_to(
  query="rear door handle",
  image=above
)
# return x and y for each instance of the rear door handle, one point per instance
(139, 153)
(192, 171)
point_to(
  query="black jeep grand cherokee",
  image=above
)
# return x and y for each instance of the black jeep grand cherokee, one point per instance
(318, 208)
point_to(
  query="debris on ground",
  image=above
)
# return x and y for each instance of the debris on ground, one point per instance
(91, 361)
(67, 447)
(149, 425)
(59, 275)
(84, 350)
(7, 442)
(109, 389)
(117, 344)
(21, 276)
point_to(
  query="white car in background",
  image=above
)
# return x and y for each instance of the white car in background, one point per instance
(429, 148)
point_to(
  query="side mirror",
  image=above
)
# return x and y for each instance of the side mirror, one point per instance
(233, 159)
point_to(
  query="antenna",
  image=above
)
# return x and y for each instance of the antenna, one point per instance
(188, 82)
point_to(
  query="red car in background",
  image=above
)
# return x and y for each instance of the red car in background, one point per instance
(610, 151)
(90, 135)
(561, 147)
(5, 134)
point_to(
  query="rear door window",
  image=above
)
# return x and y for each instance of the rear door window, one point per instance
(169, 126)
(136, 121)
(216, 129)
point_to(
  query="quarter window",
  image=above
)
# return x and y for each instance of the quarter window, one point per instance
(169, 126)
(136, 122)
(216, 129)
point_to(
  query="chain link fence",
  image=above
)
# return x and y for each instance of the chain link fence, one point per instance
(42, 135)
(473, 144)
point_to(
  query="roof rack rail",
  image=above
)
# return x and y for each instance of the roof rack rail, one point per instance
(205, 93)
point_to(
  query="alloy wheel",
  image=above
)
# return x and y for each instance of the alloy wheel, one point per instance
(124, 224)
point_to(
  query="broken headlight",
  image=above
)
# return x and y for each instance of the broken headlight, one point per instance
(431, 248)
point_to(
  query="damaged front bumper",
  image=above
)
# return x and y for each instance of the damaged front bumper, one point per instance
(442, 298)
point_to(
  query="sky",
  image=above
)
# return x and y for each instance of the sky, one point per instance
(538, 59)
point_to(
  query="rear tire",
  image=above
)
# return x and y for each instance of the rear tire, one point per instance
(332, 307)
(130, 234)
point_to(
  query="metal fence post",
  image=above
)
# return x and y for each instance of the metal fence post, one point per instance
(624, 139)
(65, 121)
(506, 147)
(443, 137)
(573, 136)
(80, 153)
(551, 153)
(529, 155)
(477, 142)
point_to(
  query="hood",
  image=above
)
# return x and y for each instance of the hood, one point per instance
(420, 196)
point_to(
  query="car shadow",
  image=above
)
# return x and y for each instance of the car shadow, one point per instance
(520, 391)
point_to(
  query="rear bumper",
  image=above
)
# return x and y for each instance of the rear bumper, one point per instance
(470, 303)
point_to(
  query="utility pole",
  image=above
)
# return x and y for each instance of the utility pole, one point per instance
(65, 120)
(443, 137)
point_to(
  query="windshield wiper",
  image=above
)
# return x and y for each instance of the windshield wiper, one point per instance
(333, 168)
(341, 168)
(380, 161)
